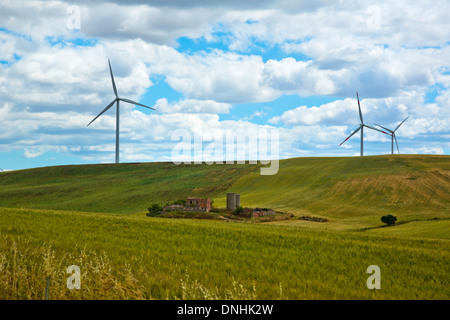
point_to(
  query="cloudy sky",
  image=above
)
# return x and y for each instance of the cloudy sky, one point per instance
(217, 66)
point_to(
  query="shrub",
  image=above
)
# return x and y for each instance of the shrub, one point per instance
(238, 210)
(389, 219)
(154, 210)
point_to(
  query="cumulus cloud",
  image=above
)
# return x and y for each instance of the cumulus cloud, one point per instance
(54, 79)
(221, 76)
(192, 106)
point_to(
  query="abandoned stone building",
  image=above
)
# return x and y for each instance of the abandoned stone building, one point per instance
(257, 212)
(192, 204)
(198, 202)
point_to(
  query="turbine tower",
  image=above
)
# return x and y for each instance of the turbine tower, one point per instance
(393, 135)
(116, 100)
(361, 127)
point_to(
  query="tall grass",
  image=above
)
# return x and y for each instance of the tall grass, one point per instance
(134, 257)
(24, 271)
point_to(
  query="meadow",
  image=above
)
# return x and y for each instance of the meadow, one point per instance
(138, 257)
(114, 188)
(94, 216)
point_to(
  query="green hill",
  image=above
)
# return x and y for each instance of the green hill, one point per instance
(351, 190)
(114, 188)
(357, 190)
(93, 216)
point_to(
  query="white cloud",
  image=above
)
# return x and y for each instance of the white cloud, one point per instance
(191, 106)
(50, 92)
(220, 76)
(33, 153)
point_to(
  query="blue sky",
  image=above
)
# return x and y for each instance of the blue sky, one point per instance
(285, 65)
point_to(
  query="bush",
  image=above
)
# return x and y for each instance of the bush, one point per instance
(154, 210)
(389, 219)
(238, 210)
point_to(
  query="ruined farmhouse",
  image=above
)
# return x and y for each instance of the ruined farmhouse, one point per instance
(192, 204)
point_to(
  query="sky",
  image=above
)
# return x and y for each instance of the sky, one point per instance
(211, 67)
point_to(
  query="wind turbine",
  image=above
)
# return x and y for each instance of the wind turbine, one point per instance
(116, 100)
(361, 127)
(393, 135)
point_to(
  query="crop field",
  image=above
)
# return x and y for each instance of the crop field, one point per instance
(137, 257)
(94, 216)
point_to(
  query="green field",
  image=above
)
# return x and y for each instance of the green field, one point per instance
(113, 188)
(94, 216)
(204, 259)
(353, 192)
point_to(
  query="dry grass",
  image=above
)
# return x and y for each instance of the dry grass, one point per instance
(421, 188)
(23, 274)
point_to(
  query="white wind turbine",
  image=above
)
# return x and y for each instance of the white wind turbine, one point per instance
(393, 136)
(116, 100)
(361, 127)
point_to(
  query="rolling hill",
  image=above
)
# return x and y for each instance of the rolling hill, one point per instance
(350, 191)
(355, 190)
(113, 188)
(94, 216)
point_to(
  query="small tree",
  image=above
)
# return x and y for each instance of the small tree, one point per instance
(389, 219)
(154, 210)
(238, 210)
(181, 201)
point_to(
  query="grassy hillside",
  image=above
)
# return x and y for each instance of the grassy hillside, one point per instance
(74, 215)
(115, 188)
(357, 190)
(350, 191)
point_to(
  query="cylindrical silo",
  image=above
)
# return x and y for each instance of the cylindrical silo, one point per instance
(231, 201)
(238, 200)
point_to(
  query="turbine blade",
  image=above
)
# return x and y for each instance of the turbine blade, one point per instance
(351, 135)
(383, 127)
(395, 138)
(104, 110)
(373, 128)
(359, 108)
(112, 79)
(136, 103)
(400, 124)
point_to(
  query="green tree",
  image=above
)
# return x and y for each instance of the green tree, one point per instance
(154, 210)
(389, 219)
(238, 210)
